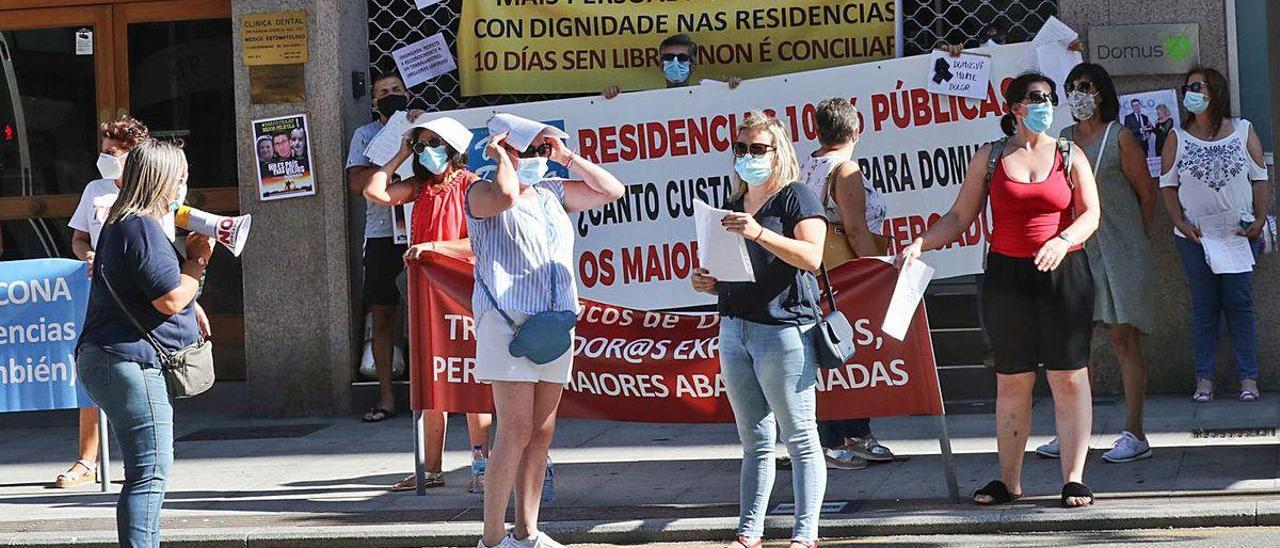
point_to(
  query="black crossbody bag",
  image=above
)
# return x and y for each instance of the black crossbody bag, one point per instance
(187, 372)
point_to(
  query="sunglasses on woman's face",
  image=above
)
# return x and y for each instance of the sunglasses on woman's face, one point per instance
(1198, 87)
(1083, 86)
(434, 142)
(755, 149)
(543, 151)
(1037, 97)
(682, 57)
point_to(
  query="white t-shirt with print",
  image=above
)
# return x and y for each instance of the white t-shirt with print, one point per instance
(95, 204)
(814, 175)
(1214, 176)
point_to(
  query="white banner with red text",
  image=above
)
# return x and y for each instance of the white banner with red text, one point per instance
(673, 146)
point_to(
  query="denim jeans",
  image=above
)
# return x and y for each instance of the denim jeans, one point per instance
(136, 401)
(1213, 296)
(770, 373)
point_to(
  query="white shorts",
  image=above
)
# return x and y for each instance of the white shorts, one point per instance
(495, 363)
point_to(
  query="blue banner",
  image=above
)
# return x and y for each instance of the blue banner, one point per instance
(42, 308)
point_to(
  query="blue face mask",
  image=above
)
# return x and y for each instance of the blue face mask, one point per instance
(435, 159)
(676, 71)
(1195, 102)
(531, 170)
(1039, 117)
(754, 171)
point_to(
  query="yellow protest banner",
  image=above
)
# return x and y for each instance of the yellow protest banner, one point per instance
(573, 46)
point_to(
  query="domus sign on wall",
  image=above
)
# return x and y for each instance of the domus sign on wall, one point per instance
(1145, 49)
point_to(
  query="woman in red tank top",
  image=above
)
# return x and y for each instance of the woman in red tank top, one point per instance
(438, 191)
(1037, 294)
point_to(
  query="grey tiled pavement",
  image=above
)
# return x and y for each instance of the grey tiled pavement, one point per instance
(641, 477)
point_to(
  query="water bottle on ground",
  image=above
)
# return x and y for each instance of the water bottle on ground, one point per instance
(478, 464)
(549, 483)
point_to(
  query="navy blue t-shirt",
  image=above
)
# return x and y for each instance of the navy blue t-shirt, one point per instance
(782, 294)
(143, 266)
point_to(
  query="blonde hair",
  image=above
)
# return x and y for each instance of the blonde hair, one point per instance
(785, 167)
(151, 172)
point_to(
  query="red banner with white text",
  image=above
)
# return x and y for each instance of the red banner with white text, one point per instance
(642, 366)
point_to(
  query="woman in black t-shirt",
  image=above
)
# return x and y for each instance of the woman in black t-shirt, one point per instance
(766, 346)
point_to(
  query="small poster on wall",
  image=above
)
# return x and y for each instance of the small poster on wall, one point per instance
(284, 157)
(1151, 117)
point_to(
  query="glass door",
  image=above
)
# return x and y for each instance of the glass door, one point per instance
(56, 86)
(173, 62)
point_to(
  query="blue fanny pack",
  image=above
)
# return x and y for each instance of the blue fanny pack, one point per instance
(543, 337)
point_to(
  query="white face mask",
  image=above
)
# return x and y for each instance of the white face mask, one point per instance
(110, 166)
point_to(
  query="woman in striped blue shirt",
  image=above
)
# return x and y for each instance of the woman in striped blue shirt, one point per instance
(523, 242)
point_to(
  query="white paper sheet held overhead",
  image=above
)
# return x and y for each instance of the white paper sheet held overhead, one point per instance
(1049, 54)
(1054, 31)
(1226, 251)
(384, 146)
(722, 253)
(966, 75)
(913, 279)
(1056, 62)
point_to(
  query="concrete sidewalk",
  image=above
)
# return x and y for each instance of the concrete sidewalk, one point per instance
(1215, 464)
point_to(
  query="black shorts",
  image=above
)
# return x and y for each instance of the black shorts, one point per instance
(1038, 318)
(383, 263)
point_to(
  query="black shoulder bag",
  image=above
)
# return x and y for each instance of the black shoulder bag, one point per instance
(187, 372)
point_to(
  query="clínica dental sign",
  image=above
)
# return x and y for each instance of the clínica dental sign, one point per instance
(1145, 49)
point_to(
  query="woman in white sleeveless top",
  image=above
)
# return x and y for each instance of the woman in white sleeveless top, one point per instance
(1213, 167)
(859, 209)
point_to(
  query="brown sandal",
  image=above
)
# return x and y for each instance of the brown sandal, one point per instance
(744, 542)
(72, 478)
(410, 482)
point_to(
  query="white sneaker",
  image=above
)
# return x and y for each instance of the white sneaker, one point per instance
(507, 542)
(540, 540)
(1050, 450)
(1128, 449)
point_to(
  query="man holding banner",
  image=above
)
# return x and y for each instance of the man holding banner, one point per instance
(679, 55)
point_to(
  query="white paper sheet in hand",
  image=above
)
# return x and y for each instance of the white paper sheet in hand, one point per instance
(722, 253)
(1056, 62)
(1224, 250)
(384, 146)
(913, 279)
(1054, 31)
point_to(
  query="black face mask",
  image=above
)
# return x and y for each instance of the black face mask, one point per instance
(390, 104)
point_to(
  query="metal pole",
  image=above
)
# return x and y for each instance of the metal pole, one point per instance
(898, 47)
(419, 453)
(948, 463)
(104, 452)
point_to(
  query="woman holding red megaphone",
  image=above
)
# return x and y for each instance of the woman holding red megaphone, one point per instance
(437, 189)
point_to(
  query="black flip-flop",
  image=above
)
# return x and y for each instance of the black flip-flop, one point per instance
(1076, 490)
(378, 414)
(999, 493)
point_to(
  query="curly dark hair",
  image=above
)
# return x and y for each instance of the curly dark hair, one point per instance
(125, 129)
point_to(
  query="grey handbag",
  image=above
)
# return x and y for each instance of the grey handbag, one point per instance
(187, 372)
(834, 334)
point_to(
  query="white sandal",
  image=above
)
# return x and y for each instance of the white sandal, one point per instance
(73, 478)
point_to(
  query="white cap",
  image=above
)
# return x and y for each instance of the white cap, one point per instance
(452, 131)
(521, 132)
